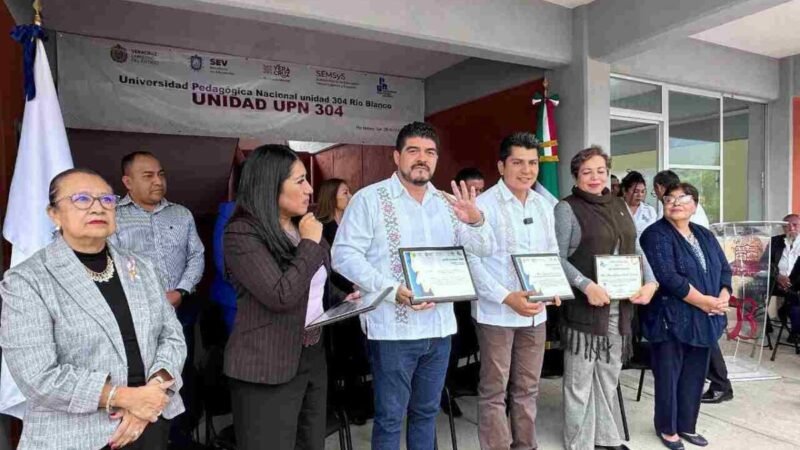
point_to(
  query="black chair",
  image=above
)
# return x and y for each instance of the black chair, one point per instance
(462, 381)
(783, 325)
(344, 366)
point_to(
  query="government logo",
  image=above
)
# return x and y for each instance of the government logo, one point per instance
(119, 53)
(196, 62)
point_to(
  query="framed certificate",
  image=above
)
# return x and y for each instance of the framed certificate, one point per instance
(543, 274)
(437, 274)
(620, 275)
(346, 310)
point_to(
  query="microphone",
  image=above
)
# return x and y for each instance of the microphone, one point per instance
(527, 220)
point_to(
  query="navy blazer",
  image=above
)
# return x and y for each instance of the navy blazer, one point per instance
(675, 266)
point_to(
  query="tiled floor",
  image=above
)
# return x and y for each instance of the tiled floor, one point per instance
(763, 415)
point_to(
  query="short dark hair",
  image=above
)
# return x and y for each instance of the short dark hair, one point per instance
(128, 159)
(585, 155)
(522, 139)
(687, 188)
(54, 191)
(631, 179)
(469, 173)
(666, 178)
(614, 177)
(416, 129)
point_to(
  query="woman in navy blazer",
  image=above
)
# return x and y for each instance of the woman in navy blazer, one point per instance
(687, 314)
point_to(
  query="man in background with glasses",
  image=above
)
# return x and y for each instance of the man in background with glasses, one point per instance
(165, 232)
(667, 178)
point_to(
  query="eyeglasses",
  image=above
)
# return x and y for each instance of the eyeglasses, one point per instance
(679, 200)
(84, 201)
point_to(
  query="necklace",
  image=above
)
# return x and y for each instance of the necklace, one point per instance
(104, 276)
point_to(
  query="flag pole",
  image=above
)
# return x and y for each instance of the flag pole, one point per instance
(37, 12)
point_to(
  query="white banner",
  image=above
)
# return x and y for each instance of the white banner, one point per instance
(112, 85)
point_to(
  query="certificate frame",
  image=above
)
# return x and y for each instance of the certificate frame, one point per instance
(565, 290)
(405, 253)
(356, 310)
(616, 293)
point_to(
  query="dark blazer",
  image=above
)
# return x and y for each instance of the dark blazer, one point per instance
(329, 230)
(675, 266)
(267, 336)
(778, 245)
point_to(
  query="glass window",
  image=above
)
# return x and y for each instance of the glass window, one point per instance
(693, 130)
(635, 95)
(707, 183)
(634, 146)
(743, 162)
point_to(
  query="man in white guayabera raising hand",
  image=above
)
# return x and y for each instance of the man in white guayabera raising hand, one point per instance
(409, 345)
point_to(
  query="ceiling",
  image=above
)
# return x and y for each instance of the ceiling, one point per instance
(570, 3)
(773, 32)
(136, 22)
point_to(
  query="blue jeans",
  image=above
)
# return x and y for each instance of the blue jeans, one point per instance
(408, 377)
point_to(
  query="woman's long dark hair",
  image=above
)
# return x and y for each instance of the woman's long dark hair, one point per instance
(263, 174)
(326, 199)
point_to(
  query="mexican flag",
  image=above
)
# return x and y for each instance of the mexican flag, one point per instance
(547, 134)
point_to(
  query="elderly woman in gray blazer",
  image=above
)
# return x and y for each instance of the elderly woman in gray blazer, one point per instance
(87, 333)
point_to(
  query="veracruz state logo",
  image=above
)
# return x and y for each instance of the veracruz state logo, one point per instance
(196, 62)
(119, 53)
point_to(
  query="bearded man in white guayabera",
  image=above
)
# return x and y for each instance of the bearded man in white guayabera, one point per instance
(409, 343)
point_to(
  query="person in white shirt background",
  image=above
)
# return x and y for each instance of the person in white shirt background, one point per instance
(409, 345)
(666, 178)
(511, 330)
(634, 191)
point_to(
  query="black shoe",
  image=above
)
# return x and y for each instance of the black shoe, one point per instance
(716, 396)
(613, 447)
(694, 439)
(446, 408)
(677, 445)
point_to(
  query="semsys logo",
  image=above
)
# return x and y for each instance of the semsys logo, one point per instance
(331, 75)
(119, 54)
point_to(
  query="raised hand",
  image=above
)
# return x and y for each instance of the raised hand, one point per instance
(463, 202)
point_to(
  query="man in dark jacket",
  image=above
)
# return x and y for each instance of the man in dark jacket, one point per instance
(785, 273)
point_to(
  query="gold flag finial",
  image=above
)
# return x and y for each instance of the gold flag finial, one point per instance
(545, 85)
(37, 12)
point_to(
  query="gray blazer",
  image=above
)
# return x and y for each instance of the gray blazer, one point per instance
(61, 343)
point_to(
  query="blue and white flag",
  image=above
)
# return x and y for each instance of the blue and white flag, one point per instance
(43, 153)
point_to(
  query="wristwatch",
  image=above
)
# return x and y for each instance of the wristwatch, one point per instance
(183, 293)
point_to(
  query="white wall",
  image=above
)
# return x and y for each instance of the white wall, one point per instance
(532, 32)
(698, 64)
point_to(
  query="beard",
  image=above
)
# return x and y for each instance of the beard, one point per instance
(419, 180)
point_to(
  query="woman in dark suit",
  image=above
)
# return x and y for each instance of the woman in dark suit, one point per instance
(686, 316)
(332, 198)
(280, 268)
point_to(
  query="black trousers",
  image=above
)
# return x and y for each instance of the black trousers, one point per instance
(718, 372)
(679, 371)
(286, 416)
(154, 437)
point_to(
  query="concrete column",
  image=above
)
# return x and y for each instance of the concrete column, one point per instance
(778, 174)
(583, 114)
